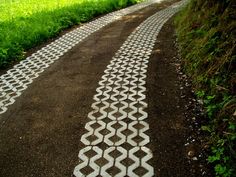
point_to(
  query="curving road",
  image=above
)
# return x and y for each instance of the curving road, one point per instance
(80, 105)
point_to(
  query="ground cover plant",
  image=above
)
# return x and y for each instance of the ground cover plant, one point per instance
(206, 31)
(27, 23)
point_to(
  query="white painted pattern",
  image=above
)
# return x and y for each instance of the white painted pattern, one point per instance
(116, 139)
(16, 80)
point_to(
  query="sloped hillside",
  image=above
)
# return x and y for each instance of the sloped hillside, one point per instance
(206, 31)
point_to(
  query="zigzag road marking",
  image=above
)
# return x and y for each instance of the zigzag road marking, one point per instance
(16, 80)
(115, 142)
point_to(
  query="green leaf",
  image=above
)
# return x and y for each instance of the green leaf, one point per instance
(219, 169)
(206, 128)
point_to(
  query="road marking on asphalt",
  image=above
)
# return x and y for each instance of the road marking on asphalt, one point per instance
(16, 80)
(116, 139)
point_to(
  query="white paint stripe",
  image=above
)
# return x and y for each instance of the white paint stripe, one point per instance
(116, 134)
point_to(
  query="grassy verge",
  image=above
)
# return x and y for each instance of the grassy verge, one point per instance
(27, 23)
(207, 39)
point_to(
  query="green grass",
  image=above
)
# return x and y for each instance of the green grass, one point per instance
(27, 23)
(11, 9)
(207, 39)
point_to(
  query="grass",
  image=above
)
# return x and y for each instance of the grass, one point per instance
(12, 9)
(27, 23)
(207, 39)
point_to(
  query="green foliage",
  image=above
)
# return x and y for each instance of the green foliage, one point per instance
(206, 35)
(27, 23)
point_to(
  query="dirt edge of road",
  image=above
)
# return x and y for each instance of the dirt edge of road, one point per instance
(174, 114)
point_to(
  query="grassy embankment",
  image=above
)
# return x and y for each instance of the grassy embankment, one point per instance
(206, 31)
(27, 23)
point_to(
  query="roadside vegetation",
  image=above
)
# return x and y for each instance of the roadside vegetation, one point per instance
(206, 32)
(27, 23)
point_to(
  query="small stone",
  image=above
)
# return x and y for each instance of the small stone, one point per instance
(186, 144)
(191, 153)
(200, 102)
(195, 158)
(234, 113)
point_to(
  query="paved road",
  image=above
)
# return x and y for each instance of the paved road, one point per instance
(80, 105)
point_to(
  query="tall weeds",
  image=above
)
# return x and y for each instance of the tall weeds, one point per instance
(207, 37)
